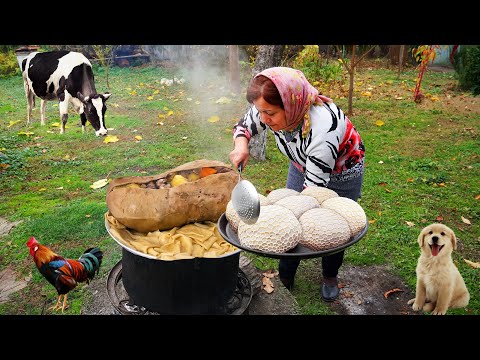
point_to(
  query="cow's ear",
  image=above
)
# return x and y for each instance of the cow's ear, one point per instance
(82, 98)
(106, 96)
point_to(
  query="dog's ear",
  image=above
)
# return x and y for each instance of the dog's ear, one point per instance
(421, 237)
(453, 238)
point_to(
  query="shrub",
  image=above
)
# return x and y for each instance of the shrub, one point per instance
(467, 67)
(311, 63)
(8, 64)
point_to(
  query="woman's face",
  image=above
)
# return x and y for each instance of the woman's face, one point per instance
(272, 115)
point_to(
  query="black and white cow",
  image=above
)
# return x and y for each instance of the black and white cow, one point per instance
(65, 76)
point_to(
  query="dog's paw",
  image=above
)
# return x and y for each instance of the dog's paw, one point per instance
(411, 301)
(416, 307)
(428, 307)
(439, 311)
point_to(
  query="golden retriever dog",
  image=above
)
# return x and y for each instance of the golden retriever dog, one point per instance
(440, 285)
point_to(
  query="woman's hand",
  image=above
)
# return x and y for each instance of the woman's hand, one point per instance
(240, 153)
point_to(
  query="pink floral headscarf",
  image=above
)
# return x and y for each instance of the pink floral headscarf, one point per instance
(296, 92)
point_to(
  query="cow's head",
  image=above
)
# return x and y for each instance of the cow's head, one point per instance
(94, 108)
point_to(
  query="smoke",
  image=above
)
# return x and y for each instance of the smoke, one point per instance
(208, 94)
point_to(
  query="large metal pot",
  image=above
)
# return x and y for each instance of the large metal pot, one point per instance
(186, 286)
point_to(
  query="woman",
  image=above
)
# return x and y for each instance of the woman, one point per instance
(323, 146)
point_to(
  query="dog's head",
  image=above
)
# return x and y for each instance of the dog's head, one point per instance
(437, 240)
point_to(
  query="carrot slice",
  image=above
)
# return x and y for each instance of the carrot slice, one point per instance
(207, 171)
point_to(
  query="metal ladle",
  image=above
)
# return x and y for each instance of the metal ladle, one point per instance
(245, 200)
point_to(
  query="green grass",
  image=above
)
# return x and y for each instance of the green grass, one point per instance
(421, 164)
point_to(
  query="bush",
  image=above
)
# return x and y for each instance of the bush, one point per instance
(8, 64)
(316, 68)
(467, 67)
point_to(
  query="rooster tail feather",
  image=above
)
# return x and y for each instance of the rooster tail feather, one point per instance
(91, 260)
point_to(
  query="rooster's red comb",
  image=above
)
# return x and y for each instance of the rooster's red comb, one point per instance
(32, 241)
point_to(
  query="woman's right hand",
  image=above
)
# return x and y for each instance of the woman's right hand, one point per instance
(240, 154)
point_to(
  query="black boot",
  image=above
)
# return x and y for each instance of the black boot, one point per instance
(287, 282)
(330, 290)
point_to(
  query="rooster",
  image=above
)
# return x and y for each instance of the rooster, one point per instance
(63, 273)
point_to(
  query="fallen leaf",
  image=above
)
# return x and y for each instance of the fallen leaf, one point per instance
(410, 224)
(466, 221)
(409, 180)
(268, 288)
(59, 188)
(382, 183)
(138, 137)
(213, 119)
(100, 183)
(28, 133)
(270, 274)
(223, 100)
(88, 215)
(150, 97)
(387, 293)
(267, 285)
(475, 265)
(110, 139)
(439, 218)
(371, 221)
(477, 197)
(11, 123)
(379, 123)
(170, 113)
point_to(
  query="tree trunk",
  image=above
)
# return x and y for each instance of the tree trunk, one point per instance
(400, 60)
(234, 68)
(267, 56)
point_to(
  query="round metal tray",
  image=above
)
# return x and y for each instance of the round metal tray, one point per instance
(299, 251)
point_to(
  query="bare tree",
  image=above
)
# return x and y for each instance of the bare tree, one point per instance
(267, 56)
(350, 66)
(234, 68)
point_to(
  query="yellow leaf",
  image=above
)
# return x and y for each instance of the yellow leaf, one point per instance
(213, 119)
(11, 123)
(100, 183)
(42, 189)
(161, 116)
(160, 123)
(466, 221)
(170, 113)
(366, 93)
(150, 98)
(165, 108)
(189, 99)
(409, 223)
(138, 137)
(59, 188)
(434, 98)
(156, 92)
(110, 139)
(134, 92)
(197, 102)
(223, 100)
(475, 265)
(399, 98)
(371, 221)
(379, 123)
(28, 133)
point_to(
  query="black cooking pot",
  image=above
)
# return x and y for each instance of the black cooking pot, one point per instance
(185, 286)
